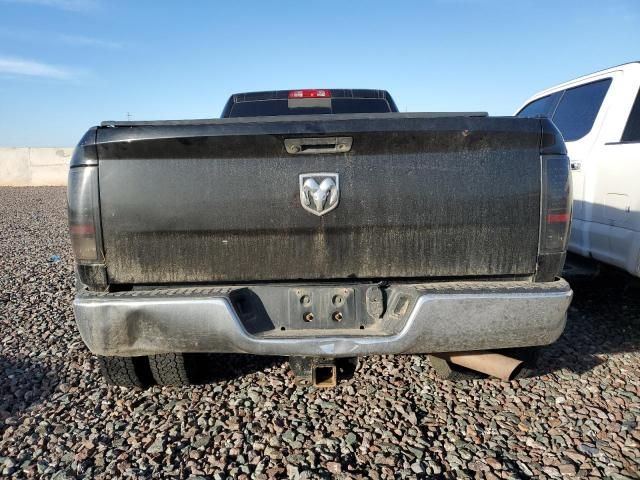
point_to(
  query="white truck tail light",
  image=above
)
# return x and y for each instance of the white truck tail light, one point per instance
(84, 214)
(556, 202)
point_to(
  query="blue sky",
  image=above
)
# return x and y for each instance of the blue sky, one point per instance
(66, 65)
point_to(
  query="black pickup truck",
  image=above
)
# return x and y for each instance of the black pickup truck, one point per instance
(319, 224)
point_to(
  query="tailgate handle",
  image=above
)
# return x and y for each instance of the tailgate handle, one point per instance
(302, 146)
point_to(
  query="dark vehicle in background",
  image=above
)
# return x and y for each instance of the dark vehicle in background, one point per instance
(319, 224)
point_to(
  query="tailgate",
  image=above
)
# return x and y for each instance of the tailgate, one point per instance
(220, 201)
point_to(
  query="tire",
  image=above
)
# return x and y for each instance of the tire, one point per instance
(169, 369)
(126, 371)
(455, 373)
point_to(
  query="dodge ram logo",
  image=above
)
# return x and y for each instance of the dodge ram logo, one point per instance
(319, 192)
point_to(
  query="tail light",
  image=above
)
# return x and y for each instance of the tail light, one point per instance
(84, 213)
(555, 218)
(556, 204)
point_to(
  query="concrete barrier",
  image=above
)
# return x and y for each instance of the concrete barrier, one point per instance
(30, 167)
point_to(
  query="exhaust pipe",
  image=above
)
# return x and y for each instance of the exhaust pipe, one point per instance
(493, 364)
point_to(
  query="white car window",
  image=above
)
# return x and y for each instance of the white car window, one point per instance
(632, 130)
(578, 109)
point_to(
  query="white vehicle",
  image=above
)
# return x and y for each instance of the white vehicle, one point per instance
(599, 117)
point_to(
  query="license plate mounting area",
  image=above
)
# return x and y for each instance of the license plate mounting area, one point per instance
(324, 308)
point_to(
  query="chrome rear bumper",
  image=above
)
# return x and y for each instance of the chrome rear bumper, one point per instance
(439, 317)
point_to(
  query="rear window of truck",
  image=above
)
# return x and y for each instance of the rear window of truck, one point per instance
(311, 106)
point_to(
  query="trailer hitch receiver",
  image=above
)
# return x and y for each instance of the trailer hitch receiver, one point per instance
(314, 371)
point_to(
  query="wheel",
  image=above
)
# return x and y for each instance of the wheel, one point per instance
(126, 371)
(456, 373)
(169, 369)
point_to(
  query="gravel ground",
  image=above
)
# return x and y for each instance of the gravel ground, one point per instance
(580, 416)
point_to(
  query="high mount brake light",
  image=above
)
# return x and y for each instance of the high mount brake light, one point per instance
(310, 94)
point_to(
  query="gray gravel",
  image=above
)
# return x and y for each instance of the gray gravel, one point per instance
(580, 416)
